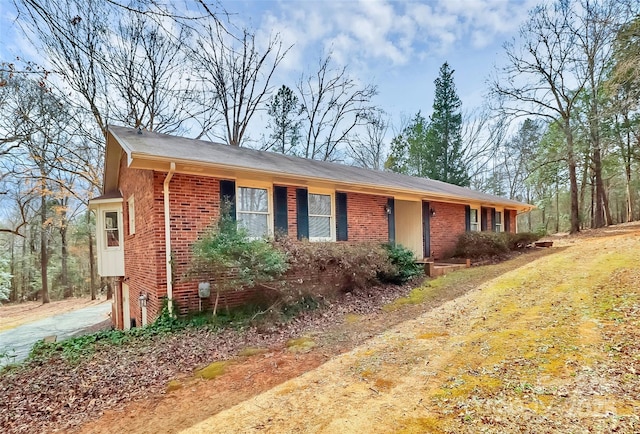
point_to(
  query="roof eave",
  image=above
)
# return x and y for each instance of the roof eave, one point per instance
(152, 162)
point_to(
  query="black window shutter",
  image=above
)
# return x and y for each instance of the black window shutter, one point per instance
(484, 214)
(342, 233)
(467, 218)
(391, 219)
(281, 217)
(493, 219)
(228, 194)
(506, 215)
(302, 218)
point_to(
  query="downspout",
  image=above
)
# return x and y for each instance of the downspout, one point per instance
(167, 236)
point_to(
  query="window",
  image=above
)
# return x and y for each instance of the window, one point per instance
(253, 211)
(111, 229)
(320, 217)
(131, 211)
(498, 222)
(473, 217)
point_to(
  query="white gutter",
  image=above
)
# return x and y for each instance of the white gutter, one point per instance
(167, 235)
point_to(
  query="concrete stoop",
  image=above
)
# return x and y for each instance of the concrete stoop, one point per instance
(435, 269)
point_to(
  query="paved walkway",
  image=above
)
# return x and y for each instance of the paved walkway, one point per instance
(18, 341)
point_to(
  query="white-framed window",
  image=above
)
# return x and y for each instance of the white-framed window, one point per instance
(131, 212)
(498, 222)
(111, 229)
(474, 218)
(252, 211)
(321, 227)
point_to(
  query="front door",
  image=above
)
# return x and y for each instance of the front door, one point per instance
(426, 230)
(126, 313)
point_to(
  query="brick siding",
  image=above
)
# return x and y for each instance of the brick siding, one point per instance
(141, 265)
(446, 226)
(367, 217)
(194, 205)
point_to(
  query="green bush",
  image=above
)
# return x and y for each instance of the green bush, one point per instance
(404, 266)
(231, 260)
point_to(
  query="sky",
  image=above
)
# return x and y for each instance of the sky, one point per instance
(397, 46)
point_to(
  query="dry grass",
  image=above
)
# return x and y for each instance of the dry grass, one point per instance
(550, 346)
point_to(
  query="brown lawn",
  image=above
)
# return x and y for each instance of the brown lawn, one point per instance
(547, 342)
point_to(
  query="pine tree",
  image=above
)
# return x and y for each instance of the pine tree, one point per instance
(444, 138)
(433, 149)
(284, 110)
(408, 150)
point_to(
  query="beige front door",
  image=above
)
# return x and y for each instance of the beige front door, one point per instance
(126, 312)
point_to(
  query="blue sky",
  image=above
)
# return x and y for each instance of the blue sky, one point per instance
(398, 46)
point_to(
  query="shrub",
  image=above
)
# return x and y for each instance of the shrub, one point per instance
(231, 260)
(403, 265)
(521, 240)
(479, 244)
(323, 268)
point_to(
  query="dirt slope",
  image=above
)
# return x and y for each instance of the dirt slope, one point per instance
(552, 346)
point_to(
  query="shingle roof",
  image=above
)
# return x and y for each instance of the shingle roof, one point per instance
(150, 145)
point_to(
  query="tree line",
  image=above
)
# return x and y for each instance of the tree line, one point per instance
(559, 127)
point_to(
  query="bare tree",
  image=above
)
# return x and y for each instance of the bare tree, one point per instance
(367, 148)
(333, 105)
(598, 24)
(541, 78)
(237, 73)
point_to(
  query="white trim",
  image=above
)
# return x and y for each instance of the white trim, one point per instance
(332, 216)
(131, 214)
(477, 223)
(104, 230)
(500, 226)
(167, 235)
(257, 186)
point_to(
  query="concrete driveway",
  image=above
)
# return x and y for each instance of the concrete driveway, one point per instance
(16, 343)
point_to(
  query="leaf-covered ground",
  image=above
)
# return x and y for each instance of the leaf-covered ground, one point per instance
(551, 346)
(545, 342)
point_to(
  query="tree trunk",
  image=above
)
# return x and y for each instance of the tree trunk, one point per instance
(13, 294)
(629, 192)
(608, 220)
(64, 256)
(557, 207)
(529, 223)
(44, 253)
(573, 181)
(92, 272)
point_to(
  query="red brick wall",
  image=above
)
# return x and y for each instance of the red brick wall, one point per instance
(445, 227)
(292, 212)
(367, 218)
(194, 207)
(512, 220)
(141, 266)
(194, 204)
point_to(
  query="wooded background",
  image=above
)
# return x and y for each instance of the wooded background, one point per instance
(559, 127)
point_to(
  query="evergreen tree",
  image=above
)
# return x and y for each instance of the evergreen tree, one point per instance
(433, 149)
(284, 110)
(444, 138)
(408, 150)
